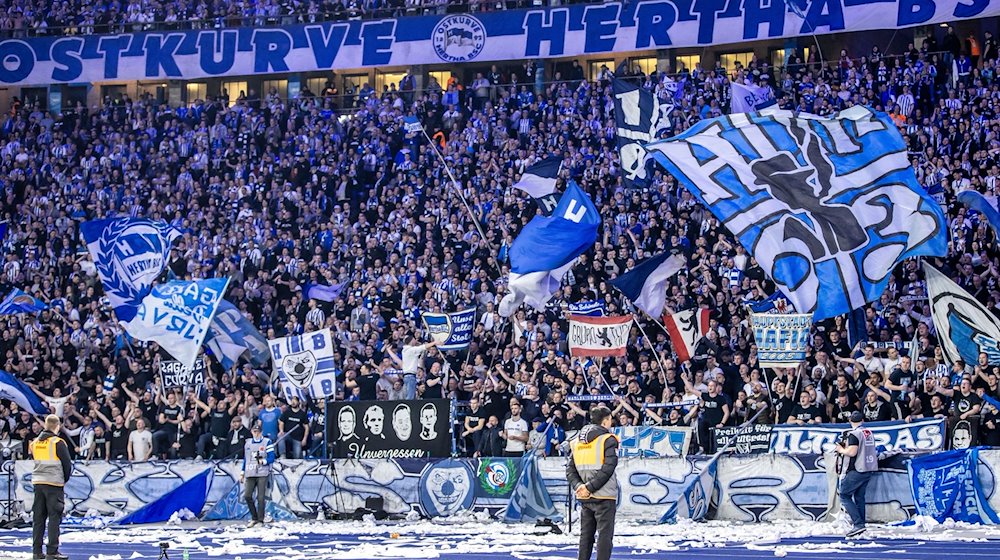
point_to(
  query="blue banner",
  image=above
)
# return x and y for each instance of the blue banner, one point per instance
(926, 434)
(129, 253)
(305, 364)
(177, 316)
(452, 331)
(615, 27)
(587, 308)
(20, 302)
(530, 500)
(946, 486)
(782, 340)
(652, 441)
(15, 390)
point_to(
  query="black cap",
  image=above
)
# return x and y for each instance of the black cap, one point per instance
(856, 416)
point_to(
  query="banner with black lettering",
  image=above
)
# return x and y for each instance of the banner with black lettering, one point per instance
(175, 374)
(452, 331)
(598, 336)
(416, 429)
(782, 340)
(755, 438)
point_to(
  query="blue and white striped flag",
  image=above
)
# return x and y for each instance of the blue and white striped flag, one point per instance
(646, 284)
(827, 206)
(177, 316)
(129, 254)
(539, 181)
(231, 334)
(13, 389)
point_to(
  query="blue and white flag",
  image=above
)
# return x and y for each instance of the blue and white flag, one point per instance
(231, 334)
(965, 327)
(322, 292)
(530, 501)
(946, 485)
(305, 362)
(640, 117)
(696, 495)
(412, 124)
(586, 308)
(19, 302)
(129, 254)
(177, 316)
(539, 181)
(747, 99)
(782, 340)
(827, 206)
(13, 389)
(452, 331)
(775, 303)
(3, 231)
(646, 284)
(976, 201)
(546, 249)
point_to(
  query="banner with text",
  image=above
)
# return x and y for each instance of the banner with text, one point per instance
(927, 434)
(755, 438)
(598, 336)
(452, 331)
(390, 429)
(614, 27)
(782, 340)
(652, 441)
(175, 374)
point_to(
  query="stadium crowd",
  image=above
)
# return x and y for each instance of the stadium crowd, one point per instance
(279, 193)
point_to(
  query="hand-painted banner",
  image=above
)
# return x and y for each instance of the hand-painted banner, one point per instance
(174, 374)
(614, 27)
(782, 340)
(652, 441)
(598, 336)
(919, 435)
(452, 331)
(745, 440)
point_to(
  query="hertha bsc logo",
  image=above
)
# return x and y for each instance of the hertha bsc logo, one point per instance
(458, 38)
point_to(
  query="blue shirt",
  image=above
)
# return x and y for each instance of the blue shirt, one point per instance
(269, 422)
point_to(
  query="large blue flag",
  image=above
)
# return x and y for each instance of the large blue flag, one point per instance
(190, 495)
(177, 316)
(546, 249)
(646, 284)
(946, 485)
(13, 389)
(530, 500)
(976, 201)
(129, 254)
(231, 334)
(827, 206)
(19, 302)
(640, 117)
(696, 495)
(965, 327)
(323, 292)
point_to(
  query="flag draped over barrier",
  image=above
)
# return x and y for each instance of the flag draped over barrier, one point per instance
(190, 496)
(827, 206)
(946, 485)
(530, 500)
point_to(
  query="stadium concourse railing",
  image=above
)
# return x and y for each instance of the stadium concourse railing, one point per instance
(411, 8)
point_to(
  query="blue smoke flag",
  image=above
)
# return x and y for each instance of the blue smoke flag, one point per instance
(946, 485)
(190, 495)
(530, 500)
(19, 302)
(976, 201)
(747, 99)
(322, 292)
(646, 284)
(639, 118)
(965, 327)
(696, 495)
(827, 206)
(231, 334)
(129, 254)
(452, 331)
(177, 316)
(539, 181)
(546, 249)
(13, 389)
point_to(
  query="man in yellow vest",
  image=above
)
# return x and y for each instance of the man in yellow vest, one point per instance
(591, 474)
(52, 470)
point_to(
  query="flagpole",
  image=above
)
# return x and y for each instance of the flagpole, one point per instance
(656, 354)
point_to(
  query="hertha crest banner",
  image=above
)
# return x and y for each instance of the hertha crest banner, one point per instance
(306, 362)
(782, 340)
(965, 326)
(598, 336)
(827, 206)
(452, 331)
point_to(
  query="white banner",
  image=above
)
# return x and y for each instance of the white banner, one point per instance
(305, 363)
(614, 27)
(598, 336)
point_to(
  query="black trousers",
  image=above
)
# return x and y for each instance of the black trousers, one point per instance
(258, 483)
(46, 509)
(597, 516)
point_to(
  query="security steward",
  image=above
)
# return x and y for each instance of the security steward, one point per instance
(860, 461)
(52, 470)
(591, 473)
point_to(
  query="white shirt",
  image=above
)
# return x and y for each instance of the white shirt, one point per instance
(518, 428)
(411, 356)
(142, 444)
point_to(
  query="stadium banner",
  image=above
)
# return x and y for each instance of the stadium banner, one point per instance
(652, 441)
(782, 340)
(305, 364)
(614, 27)
(747, 440)
(598, 336)
(947, 486)
(452, 331)
(417, 429)
(175, 374)
(927, 434)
